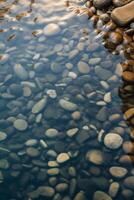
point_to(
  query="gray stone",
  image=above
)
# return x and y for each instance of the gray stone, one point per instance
(20, 72)
(52, 133)
(4, 164)
(95, 156)
(67, 105)
(102, 73)
(3, 135)
(20, 124)
(99, 195)
(62, 157)
(40, 105)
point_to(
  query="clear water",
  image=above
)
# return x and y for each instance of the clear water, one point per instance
(51, 64)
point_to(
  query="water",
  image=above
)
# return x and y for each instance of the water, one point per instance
(64, 86)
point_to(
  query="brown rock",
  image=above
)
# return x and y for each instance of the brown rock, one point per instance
(101, 3)
(129, 182)
(129, 113)
(128, 147)
(128, 76)
(126, 159)
(119, 3)
(123, 15)
(116, 38)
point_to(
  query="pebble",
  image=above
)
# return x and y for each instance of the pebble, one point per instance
(20, 124)
(129, 113)
(52, 133)
(32, 152)
(31, 142)
(83, 67)
(113, 141)
(128, 147)
(129, 182)
(52, 29)
(99, 195)
(61, 187)
(52, 93)
(53, 171)
(27, 92)
(94, 61)
(101, 3)
(62, 157)
(118, 172)
(116, 38)
(72, 132)
(67, 105)
(4, 164)
(20, 72)
(39, 106)
(119, 3)
(45, 191)
(107, 97)
(4, 58)
(3, 136)
(102, 73)
(80, 196)
(95, 156)
(76, 115)
(114, 189)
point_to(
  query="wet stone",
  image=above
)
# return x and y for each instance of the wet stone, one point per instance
(129, 182)
(20, 124)
(102, 73)
(3, 136)
(61, 187)
(114, 189)
(101, 3)
(4, 164)
(118, 172)
(83, 67)
(99, 195)
(44, 191)
(67, 105)
(52, 29)
(95, 156)
(63, 157)
(20, 72)
(51, 133)
(39, 106)
(32, 152)
(113, 141)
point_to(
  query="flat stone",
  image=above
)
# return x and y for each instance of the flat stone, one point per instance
(32, 152)
(3, 135)
(118, 172)
(128, 76)
(99, 195)
(95, 156)
(4, 164)
(128, 147)
(102, 73)
(129, 182)
(40, 105)
(83, 67)
(62, 157)
(53, 171)
(123, 15)
(72, 132)
(129, 113)
(80, 196)
(101, 3)
(113, 141)
(67, 105)
(20, 124)
(119, 3)
(61, 187)
(52, 133)
(44, 191)
(31, 142)
(4, 58)
(20, 72)
(114, 189)
(52, 29)
(102, 115)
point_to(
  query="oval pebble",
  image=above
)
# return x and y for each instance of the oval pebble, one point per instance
(51, 29)
(20, 124)
(3, 136)
(113, 141)
(63, 157)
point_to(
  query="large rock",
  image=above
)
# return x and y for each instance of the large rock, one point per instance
(119, 3)
(123, 15)
(101, 3)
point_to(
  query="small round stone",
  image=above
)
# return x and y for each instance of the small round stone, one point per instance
(20, 124)
(62, 157)
(51, 133)
(113, 141)
(51, 29)
(99, 195)
(3, 136)
(83, 67)
(118, 172)
(95, 156)
(32, 152)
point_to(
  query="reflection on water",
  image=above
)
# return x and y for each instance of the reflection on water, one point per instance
(61, 118)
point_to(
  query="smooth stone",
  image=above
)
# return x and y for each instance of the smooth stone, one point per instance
(123, 15)
(20, 72)
(20, 124)
(4, 164)
(44, 191)
(83, 136)
(128, 76)
(116, 38)
(114, 189)
(32, 152)
(102, 115)
(62, 157)
(72, 132)
(76, 115)
(99, 195)
(61, 187)
(94, 61)
(118, 172)
(53, 164)
(95, 156)
(53, 171)
(80, 196)
(52, 93)
(113, 141)
(27, 92)
(119, 3)
(107, 97)
(129, 182)
(83, 67)
(31, 142)
(4, 58)
(3, 136)
(52, 29)
(51, 133)
(16, 89)
(128, 147)
(102, 73)
(67, 105)
(101, 3)
(40, 105)
(129, 113)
